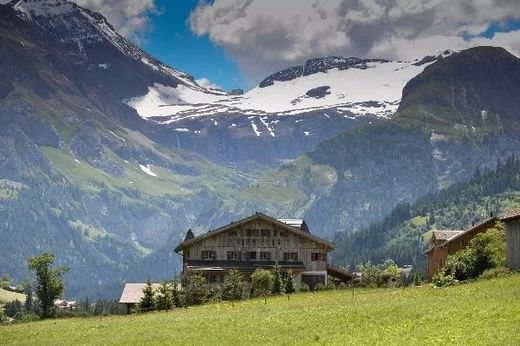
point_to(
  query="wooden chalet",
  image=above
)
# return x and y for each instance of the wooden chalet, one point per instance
(447, 242)
(259, 241)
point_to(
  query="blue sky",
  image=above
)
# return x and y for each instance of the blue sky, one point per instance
(171, 41)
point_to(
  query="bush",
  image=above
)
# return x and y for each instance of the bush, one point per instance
(262, 281)
(320, 287)
(12, 308)
(485, 251)
(278, 280)
(496, 273)
(304, 288)
(441, 280)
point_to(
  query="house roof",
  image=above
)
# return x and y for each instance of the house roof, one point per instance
(133, 292)
(512, 215)
(253, 217)
(445, 234)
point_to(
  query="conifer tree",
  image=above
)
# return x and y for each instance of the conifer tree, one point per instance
(147, 301)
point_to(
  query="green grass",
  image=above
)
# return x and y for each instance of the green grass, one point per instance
(485, 313)
(8, 296)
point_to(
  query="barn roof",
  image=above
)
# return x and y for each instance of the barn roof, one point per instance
(445, 234)
(133, 292)
(257, 216)
(512, 215)
(485, 223)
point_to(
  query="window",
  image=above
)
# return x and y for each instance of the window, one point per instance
(318, 256)
(265, 233)
(233, 255)
(233, 234)
(265, 256)
(251, 255)
(290, 256)
(209, 254)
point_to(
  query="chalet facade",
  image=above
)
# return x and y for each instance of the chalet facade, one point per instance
(258, 241)
(447, 242)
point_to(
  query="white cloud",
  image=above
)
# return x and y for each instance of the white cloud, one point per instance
(266, 35)
(129, 17)
(206, 83)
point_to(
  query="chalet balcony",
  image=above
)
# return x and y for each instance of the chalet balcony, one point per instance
(221, 265)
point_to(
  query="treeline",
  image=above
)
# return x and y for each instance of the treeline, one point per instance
(400, 235)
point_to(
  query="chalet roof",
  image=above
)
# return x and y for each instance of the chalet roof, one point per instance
(133, 292)
(445, 234)
(515, 214)
(253, 217)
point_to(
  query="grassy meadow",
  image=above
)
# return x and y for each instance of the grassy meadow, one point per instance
(8, 296)
(485, 313)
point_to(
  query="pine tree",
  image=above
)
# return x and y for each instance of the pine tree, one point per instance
(147, 301)
(289, 283)
(233, 286)
(163, 299)
(278, 283)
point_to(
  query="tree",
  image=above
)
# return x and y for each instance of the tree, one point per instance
(233, 286)
(28, 290)
(196, 288)
(49, 282)
(289, 283)
(262, 281)
(278, 283)
(163, 299)
(13, 307)
(147, 301)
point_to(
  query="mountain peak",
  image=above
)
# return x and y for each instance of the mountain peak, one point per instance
(42, 8)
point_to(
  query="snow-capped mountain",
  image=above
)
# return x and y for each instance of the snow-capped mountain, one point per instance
(352, 86)
(67, 22)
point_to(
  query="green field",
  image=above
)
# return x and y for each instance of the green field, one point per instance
(486, 313)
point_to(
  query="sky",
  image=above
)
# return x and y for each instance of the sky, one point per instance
(237, 43)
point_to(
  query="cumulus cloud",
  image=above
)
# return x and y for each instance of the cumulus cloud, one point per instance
(130, 17)
(266, 35)
(206, 83)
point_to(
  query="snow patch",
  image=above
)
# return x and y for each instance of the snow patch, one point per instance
(147, 170)
(255, 128)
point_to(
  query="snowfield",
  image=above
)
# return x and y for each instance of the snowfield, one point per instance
(375, 90)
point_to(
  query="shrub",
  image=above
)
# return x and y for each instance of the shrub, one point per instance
(304, 287)
(485, 251)
(12, 308)
(262, 281)
(233, 286)
(441, 280)
(320, 287)
(496, 273)
(196, 289)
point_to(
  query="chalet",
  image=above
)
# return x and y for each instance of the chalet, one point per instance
(447, 242)
(259, 241)
(512, 225)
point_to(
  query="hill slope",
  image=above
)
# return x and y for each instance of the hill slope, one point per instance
(419, 315)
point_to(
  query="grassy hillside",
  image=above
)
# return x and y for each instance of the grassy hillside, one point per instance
(8, 296)
(486, 312)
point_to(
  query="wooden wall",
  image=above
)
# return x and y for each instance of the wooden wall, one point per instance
(513, 243)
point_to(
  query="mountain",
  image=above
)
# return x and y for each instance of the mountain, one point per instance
(287, 114)
(81, 173)
(461, 113)
(405, 233)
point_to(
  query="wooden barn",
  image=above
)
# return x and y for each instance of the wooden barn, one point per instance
(512, 226)
(259, 241)
(447, 242)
